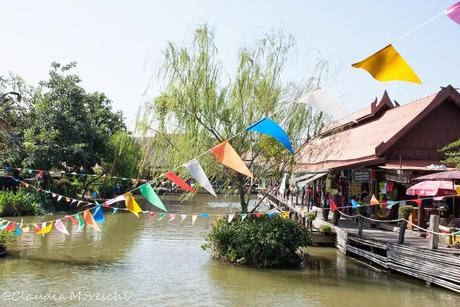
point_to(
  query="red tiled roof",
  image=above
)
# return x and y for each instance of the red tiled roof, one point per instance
(362, 143)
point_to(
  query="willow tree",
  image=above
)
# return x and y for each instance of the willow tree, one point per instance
(201, 106)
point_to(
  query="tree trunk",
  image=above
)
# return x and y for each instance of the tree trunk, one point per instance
(402, 231)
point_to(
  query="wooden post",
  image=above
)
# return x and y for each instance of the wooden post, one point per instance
(421, 219)
(434, 226)
(360, 226)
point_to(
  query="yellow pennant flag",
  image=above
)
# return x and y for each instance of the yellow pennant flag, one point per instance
(285, 214)
(226, 155)
(388, 65)
(131, 204)
(46, 229)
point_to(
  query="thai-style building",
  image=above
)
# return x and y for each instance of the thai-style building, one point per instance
(386, 146)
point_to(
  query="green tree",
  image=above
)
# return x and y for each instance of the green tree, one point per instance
(452, 153)
(68, 125)
(201, 106)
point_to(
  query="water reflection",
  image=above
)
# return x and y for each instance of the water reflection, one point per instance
(161, 262)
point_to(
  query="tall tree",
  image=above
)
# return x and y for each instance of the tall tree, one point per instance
(68, 125)
(201, 107)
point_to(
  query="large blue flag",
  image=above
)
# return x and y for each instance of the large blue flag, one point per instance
(271, 128)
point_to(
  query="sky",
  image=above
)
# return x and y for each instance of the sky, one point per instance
(118, 44)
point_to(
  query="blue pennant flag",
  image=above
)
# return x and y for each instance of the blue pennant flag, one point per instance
(204, 215)
(354, 204)
(271, 214)
(98, 215)
(17, 233)
(391, 203)
(271, 128)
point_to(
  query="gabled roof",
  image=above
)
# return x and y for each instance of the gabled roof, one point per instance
(365, 142)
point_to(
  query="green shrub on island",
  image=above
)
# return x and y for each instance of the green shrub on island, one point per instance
(6, 237)
(326, 229)
(260, 241)
(21, 202)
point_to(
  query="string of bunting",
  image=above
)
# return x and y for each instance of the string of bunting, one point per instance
(224, 153)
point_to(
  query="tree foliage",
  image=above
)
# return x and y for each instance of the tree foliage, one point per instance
(68, 124)
(452, 153)
(202, 106)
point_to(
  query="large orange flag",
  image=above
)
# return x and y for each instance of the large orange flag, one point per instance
(226, 155)
(388, 65)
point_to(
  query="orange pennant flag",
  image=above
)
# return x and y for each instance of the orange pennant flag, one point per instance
(89, 220)
(46, 229)
(226, 155)
(131, 204)
(388, 65)
(374, 201)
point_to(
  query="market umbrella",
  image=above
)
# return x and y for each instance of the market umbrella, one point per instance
(446, 175)
(432, 188)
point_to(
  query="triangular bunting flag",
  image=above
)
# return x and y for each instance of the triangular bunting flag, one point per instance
(225, 154)
(116, 199)
(243, 216)
(230, 218)
(285, 214)
(149, 193)
(333, 206)
(453, 12)
(391, 203)
(182, 217)
(17, 233)
(10, 227)
(374, 200)
(131, 204)
(98, 215)
(26, 228)
(354, 204)
(114, 210)
(194, 217)
(269, 127)
(388, 65)
(59, 197)
(197, 172)
(179, 182)
(89, 220)
(161, 216)
(204, 215)
(172, 217)
(418, 202)
(59, 225)
(45, 229)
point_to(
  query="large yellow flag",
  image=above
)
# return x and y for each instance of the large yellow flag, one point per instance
(46, 229)
(131, 204)
(226, 155)
(388, 65)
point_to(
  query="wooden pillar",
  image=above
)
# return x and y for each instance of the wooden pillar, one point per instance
(421, 219)
(360, 226)
(434, 226)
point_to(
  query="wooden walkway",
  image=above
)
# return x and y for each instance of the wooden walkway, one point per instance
(379, 248)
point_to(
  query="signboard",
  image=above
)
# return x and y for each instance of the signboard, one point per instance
(361, 175)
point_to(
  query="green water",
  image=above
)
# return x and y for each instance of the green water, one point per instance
(147, 262)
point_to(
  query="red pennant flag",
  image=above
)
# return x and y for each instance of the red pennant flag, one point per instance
(418, 202)
(258, 214)
(10, 227)
(74, 220)
(333, 205)
(37, 228)
(180, 183)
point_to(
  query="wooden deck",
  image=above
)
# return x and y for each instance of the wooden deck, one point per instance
(379, 248)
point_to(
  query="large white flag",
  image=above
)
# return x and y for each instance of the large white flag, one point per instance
(321, 101)
(197, 172)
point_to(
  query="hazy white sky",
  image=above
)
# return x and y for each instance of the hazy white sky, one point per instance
(118, 44)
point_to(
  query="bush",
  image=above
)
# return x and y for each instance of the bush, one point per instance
(6, 237)
(63, 187)
(311, 216)
(261, 241)
(326, 229)
(21, 203)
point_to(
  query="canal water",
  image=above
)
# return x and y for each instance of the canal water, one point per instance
(142, 261)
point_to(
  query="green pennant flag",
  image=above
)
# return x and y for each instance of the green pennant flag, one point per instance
(149, 193)
(243, 216)
(81, 223)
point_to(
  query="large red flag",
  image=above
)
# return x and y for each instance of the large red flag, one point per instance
(180, 183)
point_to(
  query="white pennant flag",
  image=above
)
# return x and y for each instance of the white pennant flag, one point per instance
(183, 217)
(194, 217)
(283, 184)
(230, 217)
(172, 217)
(116, 199)
(59, 198)
(321, 101)
(197, 172)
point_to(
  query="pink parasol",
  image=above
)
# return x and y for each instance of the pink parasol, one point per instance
(432, 188)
